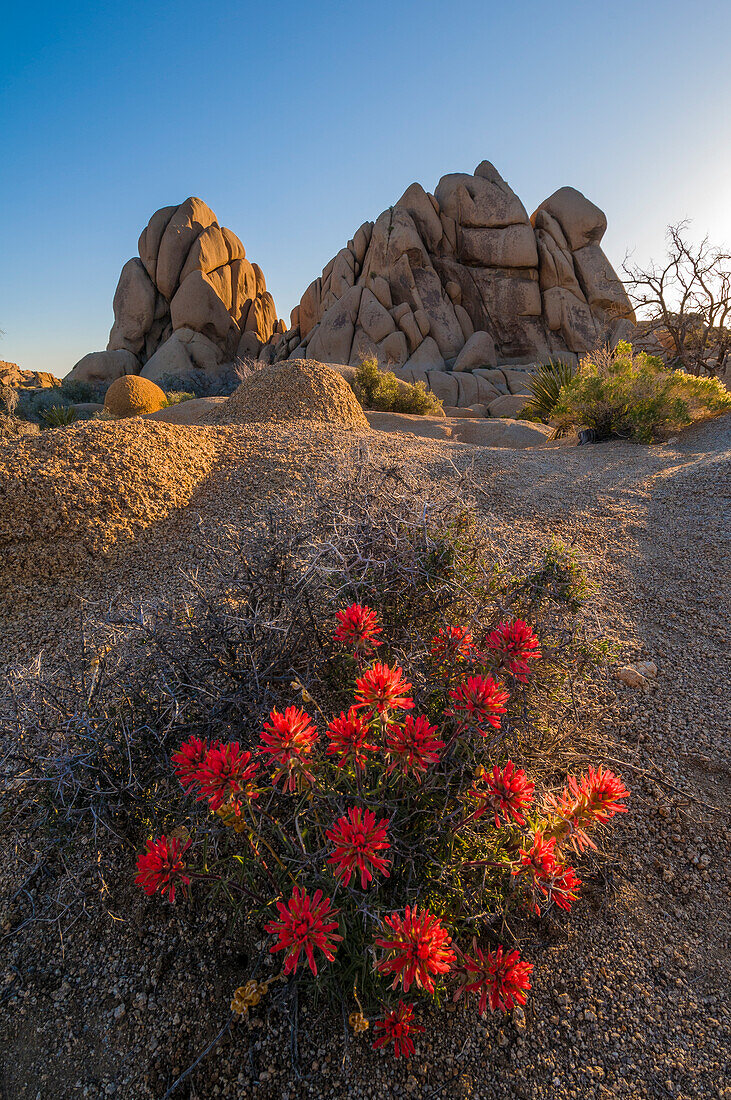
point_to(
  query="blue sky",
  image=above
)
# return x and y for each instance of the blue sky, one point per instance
(297, 122)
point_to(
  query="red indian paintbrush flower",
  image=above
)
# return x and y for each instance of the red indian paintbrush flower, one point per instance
(416, 950)
(187, 761)
(305, 924)
(161, 867)
(412, 747)
(227, 772)
(357, 841)
(507, 792)
(397, 1026)
(549, 878)
(502, 979)
(516, 644)
(289, 739)
(590, 800)
(382, 689)
(358, 629)
(453, 641)
(477, 701)
(350, 739)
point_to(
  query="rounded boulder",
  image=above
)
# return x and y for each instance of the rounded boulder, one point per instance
(133, 396)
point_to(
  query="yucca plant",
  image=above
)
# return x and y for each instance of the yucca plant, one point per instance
(545, 387)
(59, 416)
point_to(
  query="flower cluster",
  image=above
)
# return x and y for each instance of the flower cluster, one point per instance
(478, 702)
(515, 644)
(161, 866)
(305, 924)
(412, 746)
(416, 949)
(384, 812)
(505, 792)
(225, 774)
(397, 1027)
(499, 979)
(548, 877)
(591, 800)
(288, 740)
(358, 629)
(358, 840)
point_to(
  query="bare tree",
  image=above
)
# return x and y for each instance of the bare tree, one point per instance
(686, 302)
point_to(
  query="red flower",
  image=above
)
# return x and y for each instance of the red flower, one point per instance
(161, 866)
(187, 761)
(508, 793)
(349, 737)
(411, 747)
(227, 772)
(289, 740)
(584, 802)
(549, 878)
(517, 644)
(304, 924)
(503, 980)
(453, 642)
(397, 1025)
(381, 689)
(358, 628)
(478, 700)
(357, 841)
(417, 950)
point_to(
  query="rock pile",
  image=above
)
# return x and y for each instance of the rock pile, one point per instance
(190, 302)
(12, 375)
(297, 390)
(463, 279)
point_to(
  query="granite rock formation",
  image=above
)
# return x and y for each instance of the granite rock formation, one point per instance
(190, 301)
(461, 280)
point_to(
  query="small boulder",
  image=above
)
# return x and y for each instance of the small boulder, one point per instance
(133, 396)
(478, 351)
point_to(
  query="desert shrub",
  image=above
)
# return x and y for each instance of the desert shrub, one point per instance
(382, 390)
(8, 399)
(634, 396)
(78, 392)
(200, 383)
(58, 416)
(475, 663)
(545, 387)
(177, 397)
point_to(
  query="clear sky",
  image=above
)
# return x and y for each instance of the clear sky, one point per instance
(296, 122)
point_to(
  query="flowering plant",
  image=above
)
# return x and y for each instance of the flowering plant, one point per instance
(379, 852)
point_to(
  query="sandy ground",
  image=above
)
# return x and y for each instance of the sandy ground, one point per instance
(631, 991)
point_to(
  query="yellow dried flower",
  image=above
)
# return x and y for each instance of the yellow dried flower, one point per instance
(358, 1022)
(248, 995)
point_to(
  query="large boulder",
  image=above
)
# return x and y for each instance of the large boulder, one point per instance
(105, 366)
(463, 279)
(191, 274)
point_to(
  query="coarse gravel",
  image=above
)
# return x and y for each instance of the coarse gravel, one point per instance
(630, 995)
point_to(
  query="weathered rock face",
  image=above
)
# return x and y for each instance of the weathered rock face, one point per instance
(463, 279)
(12, 375)
(191, 286)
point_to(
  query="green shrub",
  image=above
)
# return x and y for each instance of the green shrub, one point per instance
(382, 390)
(633, 396)
(545, 387)
(78, 392)
(176, 397)
(58, 416)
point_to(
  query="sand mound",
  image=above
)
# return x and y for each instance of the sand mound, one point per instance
(297, 389)
(67, 497)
